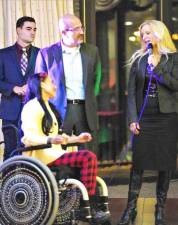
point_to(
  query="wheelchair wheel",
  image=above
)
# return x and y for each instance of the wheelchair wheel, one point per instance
(28, 193)
(69, 202)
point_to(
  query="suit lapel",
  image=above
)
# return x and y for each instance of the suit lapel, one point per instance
(57, 54)
(143, 62)
(15, 57)
(31, 60)
(84, 63)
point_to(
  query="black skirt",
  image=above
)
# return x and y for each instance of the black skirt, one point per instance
(155, 148)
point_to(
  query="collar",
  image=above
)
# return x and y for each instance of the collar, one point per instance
(68, 50)
(19, 47)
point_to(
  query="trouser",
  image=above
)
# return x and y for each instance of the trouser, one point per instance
(11, 137)
(86, 161)
(75, 122)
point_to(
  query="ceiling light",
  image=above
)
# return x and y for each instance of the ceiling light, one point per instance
(174, 19)
(132, 38)
(128, 23)
(175, 37)
(136, 33)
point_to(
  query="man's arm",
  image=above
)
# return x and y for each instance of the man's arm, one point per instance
(5, 87)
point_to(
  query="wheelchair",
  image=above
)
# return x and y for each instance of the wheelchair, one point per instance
(30, 194)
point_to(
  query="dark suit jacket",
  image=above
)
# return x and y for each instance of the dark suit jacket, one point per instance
(166, 73)
(50, 60)
(10, 76)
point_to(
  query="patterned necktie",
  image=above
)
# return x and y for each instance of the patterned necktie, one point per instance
(24, 61)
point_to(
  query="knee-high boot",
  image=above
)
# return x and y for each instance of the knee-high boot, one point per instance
(130, 212)
(161, 192)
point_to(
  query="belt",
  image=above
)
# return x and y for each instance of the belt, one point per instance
(75, 101)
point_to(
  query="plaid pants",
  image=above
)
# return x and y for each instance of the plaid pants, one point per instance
(86, 161)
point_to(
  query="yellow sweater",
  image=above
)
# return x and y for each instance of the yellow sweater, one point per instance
(32, 115)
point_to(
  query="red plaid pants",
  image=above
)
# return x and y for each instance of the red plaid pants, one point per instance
(86, 161)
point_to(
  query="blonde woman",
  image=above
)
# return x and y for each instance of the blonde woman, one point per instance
(152, 88)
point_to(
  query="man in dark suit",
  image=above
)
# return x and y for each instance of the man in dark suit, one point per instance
(17, 63)
(76, 69)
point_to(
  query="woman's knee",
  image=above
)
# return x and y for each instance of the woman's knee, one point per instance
(91, 155)
(89, 158)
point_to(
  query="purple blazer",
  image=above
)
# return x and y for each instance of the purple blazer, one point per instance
(50, 60)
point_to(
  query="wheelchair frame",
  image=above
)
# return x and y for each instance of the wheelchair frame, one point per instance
(29, 193)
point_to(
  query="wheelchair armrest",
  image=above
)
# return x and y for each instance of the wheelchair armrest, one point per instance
(35, 147)
(30, 148)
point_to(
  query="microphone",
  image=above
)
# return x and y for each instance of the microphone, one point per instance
(149, 48)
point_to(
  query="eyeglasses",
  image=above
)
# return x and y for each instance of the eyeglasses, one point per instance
(76, 29)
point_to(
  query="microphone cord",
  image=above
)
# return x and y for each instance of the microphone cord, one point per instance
(150, 72)
(124, 152)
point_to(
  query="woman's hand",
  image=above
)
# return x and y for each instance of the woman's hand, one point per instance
(84, 137)
(135, 128)
(66, 139)
(59, 139)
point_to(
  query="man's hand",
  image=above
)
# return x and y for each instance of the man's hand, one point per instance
(20, 90)
(24, 87)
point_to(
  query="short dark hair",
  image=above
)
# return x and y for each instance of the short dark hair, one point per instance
(20, 22)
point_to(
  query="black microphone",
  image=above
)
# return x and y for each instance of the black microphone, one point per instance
(149, 48)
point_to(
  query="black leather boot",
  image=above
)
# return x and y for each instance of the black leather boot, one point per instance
(130, 212)
(98, 215)
(161, 192)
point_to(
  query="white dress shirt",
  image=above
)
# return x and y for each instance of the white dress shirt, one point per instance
(73, 72)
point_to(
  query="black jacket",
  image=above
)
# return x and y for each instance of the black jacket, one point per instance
(167, 77)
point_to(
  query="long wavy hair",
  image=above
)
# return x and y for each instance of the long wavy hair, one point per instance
(165, 44)
(34, 91)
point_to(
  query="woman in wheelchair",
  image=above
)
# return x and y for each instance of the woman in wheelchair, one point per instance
(40, 125)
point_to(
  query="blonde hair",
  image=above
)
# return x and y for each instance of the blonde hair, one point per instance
(165, 44)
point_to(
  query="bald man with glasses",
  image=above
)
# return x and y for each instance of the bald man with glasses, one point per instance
(76, 69)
